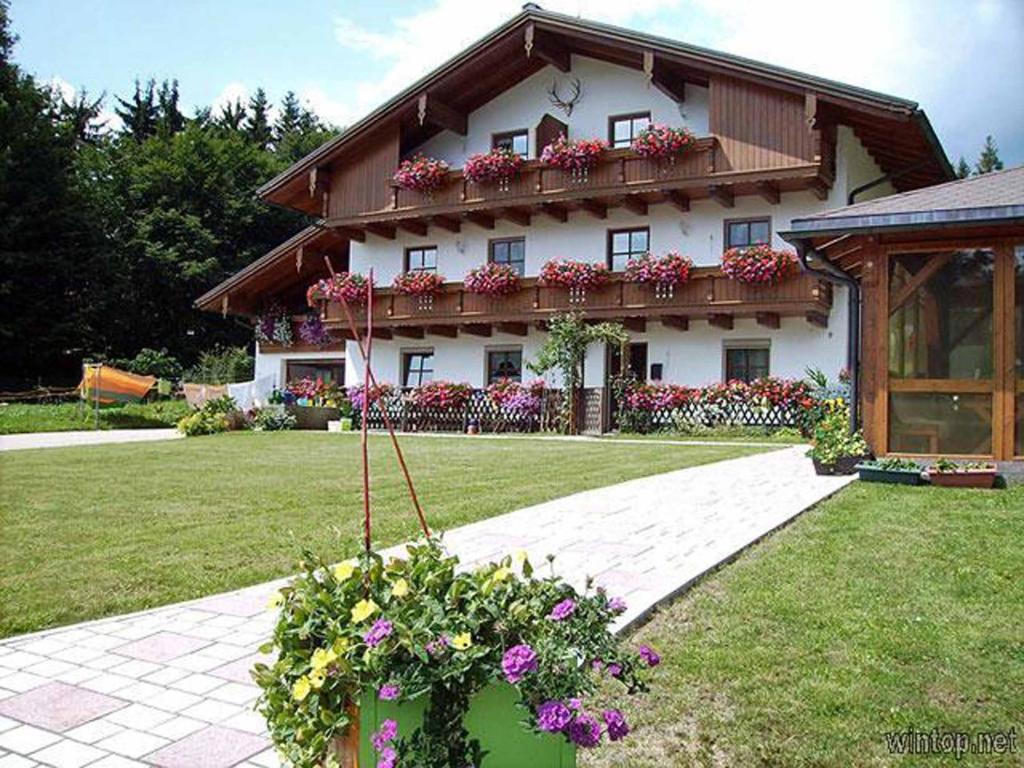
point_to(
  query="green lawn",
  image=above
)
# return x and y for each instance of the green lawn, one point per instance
(100, 530)
(719, 435)
(63, 417)
(883, 609)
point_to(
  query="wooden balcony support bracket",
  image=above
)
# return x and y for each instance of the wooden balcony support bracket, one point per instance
(819, 187)
(768, 319)
(430, 110)
(298, 258)
(672, 86)
(480, 218)
(677, 200)
(769, 191)
(635, 204)
(406, 332)
(723, 321)
(353, 233)
(513, 329)
(520, 216)
(635, 324)
(547, 50)
(722, 195)
(595, 208)
(819, 319)
(676, 322)
(319, 181)
(555, 211)
(385, 231)
(448, 331)
(413, 226)
(477, 329)
(448, 222)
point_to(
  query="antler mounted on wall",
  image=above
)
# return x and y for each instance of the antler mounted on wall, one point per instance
(566, 105)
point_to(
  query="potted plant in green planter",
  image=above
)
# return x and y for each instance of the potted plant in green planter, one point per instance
(891, 470)
(835, 450)
(971, 474)
(418, 662)
(314, 403)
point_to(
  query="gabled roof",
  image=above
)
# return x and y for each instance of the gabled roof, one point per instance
(992, 198)
(499, 61)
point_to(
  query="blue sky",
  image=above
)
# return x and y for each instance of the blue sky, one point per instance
(963, 61)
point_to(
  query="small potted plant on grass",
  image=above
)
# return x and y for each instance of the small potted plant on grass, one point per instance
(891, 470)
(835, 450)
(970, 474)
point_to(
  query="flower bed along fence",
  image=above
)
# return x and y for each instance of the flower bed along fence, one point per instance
(481, 407)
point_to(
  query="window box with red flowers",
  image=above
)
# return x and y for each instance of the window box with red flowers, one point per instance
(577, 157)
(492, 280)
(664, 273)
(422, 285)
(663, 142)
(575, 276)
(499, 166)
(421, 174)
(350, 286)
(442, 395)
(758, 264)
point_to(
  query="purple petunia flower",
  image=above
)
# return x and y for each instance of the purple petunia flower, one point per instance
(388, 731)
(388, 758)
(614, 670)
(378, 632)
(553, 716)
(563, 610)
(576, 704)
(618, 728)
(437, 647)
(617, 605)
(389, 692)
(597, 665)
(517, 661)
(584, 730)
(649, 655)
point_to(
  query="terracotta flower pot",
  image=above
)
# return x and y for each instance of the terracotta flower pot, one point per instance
(970, 478)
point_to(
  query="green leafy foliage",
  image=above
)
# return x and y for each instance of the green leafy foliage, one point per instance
(151, 362)
(219, 415)
(273, 418)
(222, 365)
(832, 437)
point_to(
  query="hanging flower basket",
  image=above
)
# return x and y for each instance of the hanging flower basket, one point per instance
(421, 174)
(313, 333)
(350, 286)
(577, 158)
(664, 273)
(663, 142)
(576, 276)
(443, 663)
(442, 395)
(492, 280)
(498, 167)
(758, 264)
(274, 326)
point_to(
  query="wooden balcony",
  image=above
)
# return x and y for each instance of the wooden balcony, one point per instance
(708, 295)
(621, 179)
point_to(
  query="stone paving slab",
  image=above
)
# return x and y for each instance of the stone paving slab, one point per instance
(95, 437)
(169, 687)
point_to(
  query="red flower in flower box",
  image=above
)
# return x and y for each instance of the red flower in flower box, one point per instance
(758, 264)
(577, 157)
(350, 286)
(418, 283)
(670, 269)
(498, 165)
(492, 280)
(663, 141)
(574, 275)
(443, 395)
(421, 174)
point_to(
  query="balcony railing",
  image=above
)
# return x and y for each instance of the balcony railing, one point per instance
(708, 295)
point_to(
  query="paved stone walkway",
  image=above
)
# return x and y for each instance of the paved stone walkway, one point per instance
(97, 437)
(170, 687)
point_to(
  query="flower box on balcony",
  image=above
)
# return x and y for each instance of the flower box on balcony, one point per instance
(493, 719)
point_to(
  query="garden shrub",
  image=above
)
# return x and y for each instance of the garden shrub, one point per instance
(222, 365)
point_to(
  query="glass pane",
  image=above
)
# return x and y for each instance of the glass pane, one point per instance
(519, 144)
(620, 242)
(499, 252)
(759, 232)
(639, 124)
(619, 261)
(940, 323)
(739, 234)
(621, 132)
(758, 363)
(504, 365)
(639, 242)
(933, 422)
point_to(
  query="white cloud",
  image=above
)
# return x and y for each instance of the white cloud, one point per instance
(232, 93)
(107, 120)
(325, 107)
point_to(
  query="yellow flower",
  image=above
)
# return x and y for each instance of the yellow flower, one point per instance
(301, 688)
(322, 657)
(500, 574)
(339, 647)
(316, 679)
(363, 610)
(400, 588)
(344, 571)
(462, 641)
(276, 601)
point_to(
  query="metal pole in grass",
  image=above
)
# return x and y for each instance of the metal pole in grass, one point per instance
(366, 412)
(388, 423)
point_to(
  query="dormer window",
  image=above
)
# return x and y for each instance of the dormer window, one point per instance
(514, 141)
(622, 129)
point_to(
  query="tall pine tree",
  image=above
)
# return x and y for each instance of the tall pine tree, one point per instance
(989, 160)
(139, 112)
(257, 124)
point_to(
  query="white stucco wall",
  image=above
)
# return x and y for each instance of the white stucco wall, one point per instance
(273, 363)
(606, 89)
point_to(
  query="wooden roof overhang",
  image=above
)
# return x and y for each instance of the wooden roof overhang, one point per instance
(895, 131)
(287, 269)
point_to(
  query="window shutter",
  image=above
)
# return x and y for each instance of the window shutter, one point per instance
(548, 129)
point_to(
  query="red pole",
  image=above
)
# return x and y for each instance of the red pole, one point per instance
(389, 425)
(366, 412)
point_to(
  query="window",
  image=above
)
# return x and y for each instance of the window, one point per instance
(622, 129)
(511, 251)
(421, 259)
(624, 244)
(739, 233)
(417, 367)
(504, 364)
(746, 363)
(329, 371)
(517, 141)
